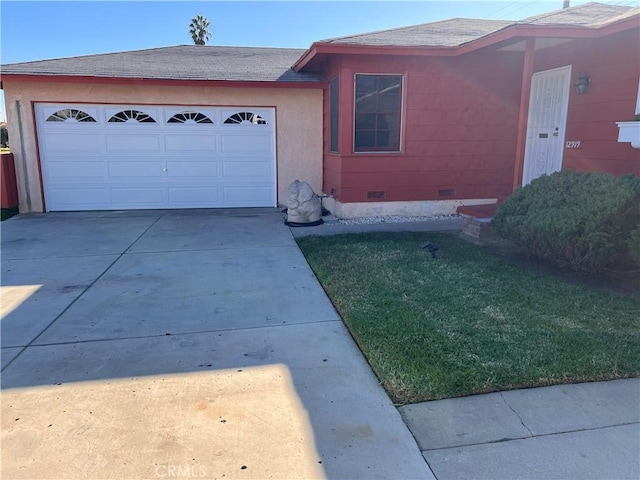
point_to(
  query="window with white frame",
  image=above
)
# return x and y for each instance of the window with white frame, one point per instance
(378, 113)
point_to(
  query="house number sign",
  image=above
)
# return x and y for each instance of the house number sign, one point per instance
(572, 144)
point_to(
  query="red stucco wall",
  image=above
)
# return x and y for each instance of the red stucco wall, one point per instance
(459, 133)
(613, 63)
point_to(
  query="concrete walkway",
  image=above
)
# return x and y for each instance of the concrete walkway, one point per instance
(182, 344)
(584, 431)
(336, 228)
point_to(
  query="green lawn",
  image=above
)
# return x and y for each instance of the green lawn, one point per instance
(468, 321)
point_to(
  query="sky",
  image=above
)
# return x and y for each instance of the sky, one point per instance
(56, 29)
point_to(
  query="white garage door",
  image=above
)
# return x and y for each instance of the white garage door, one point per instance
(112, 157)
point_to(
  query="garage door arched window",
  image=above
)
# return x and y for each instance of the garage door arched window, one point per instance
(189, 117)
(245, 118)
(70, 115)
(131, 116)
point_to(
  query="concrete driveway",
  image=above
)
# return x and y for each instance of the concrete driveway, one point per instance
(182, 344)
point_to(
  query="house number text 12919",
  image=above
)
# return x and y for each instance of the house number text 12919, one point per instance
(572, 144)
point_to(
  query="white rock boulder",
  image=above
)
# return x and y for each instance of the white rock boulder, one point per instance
(303, 205)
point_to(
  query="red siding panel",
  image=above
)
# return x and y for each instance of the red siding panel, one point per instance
(612, 63)
(331, 174)
(590, 164)
(459, 130)
(597, 151)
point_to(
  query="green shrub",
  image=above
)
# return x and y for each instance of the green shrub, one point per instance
(576, 219)
(634, 245)
(4, 136)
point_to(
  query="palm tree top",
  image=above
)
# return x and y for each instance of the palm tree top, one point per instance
(199, 30)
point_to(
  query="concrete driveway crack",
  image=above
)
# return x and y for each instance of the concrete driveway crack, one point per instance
(517, 414)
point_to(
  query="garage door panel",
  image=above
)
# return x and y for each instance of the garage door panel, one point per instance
(246, 169)
(133, 143)
(199, 171)
(136, 170)
(79, 198)
(59, 142)
(190, 143)
(139, 195)
(129, 157)
(246, 143)
(260, 196)
(194, 195)
(64, 171)
(77, 158)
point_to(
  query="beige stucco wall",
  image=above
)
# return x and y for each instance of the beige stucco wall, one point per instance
(298, 123)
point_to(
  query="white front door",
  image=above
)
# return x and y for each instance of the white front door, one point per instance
(548, 105)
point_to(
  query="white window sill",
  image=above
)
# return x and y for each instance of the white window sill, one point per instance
(629, 132)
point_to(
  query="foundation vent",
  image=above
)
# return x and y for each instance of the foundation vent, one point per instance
(447, 192)
(375, 195)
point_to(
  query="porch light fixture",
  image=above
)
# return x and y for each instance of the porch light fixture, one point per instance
(582, 82)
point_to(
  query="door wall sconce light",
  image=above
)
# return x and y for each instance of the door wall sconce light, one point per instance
(582, 82)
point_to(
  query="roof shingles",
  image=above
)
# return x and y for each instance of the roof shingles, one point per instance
(459, 31)
(447, 33)
(185, 62)
(588, 15)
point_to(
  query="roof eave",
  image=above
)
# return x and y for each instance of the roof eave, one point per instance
(550, 31)
(306, 57)
(318, 49)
